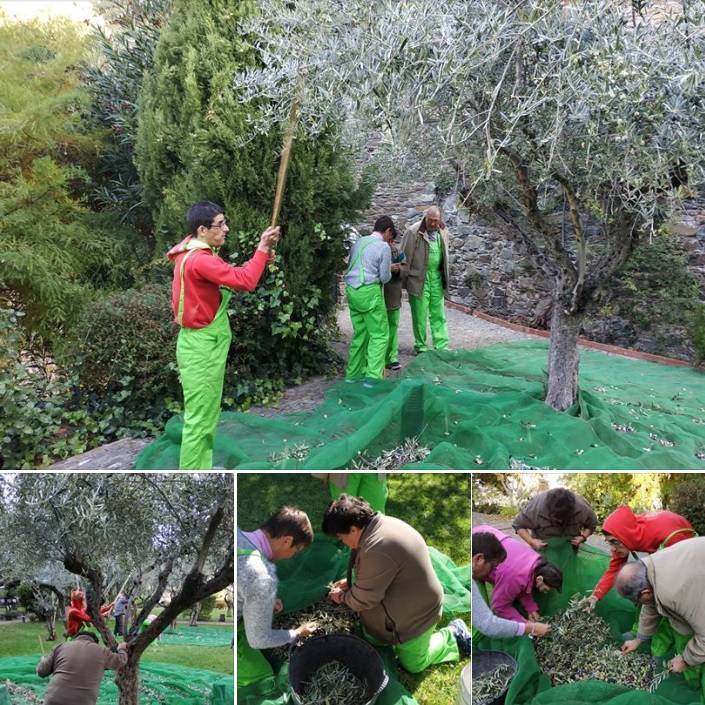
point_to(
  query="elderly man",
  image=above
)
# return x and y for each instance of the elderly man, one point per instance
(369, 268)
(282, 536)
(76, 668)
(201, 290)
(669, 584)
(395, 591)
(425, 248)
(647, 532)
(487, 554)
(556, 512)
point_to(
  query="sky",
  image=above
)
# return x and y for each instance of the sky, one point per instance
(77, 10)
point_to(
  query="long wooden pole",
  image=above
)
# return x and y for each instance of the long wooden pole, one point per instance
(284, 163)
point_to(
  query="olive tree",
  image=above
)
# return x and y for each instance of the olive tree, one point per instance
(576, 123)
(139, 531)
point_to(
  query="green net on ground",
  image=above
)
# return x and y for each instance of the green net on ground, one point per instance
(201, 636)
(530, 686)
(303, 581)
(478, 409)
(160, 683)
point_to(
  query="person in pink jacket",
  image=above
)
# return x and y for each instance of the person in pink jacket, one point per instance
(516, 578)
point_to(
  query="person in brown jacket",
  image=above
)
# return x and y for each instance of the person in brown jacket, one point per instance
(395, 591)
(77, 668)
(426, 278)
(556, 512)
(669, 584)
(392, 302)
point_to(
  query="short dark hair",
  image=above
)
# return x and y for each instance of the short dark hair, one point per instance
(289, 521)
(488, 546)
(560, 504)
(347, 511)
(551, 574)
(384, 223)
(202, 213)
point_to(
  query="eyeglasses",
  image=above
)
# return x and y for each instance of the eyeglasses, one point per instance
(220, 225)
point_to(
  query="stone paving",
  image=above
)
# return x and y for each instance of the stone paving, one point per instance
(466, 333)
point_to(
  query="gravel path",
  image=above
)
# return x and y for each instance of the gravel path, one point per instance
(466, 333)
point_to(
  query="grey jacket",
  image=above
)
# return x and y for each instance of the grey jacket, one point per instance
(415, 246)
(77, 668)
(371, 260)
(256, 595)
(488, 623)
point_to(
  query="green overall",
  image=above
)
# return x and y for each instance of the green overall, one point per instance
(369, 321)
(393, 344)
(201, 354)
(365, 485)
(425, 650)
(431, 303)
(252, 666)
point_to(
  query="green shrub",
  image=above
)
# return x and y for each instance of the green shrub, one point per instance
(39, 418)
(126, 364)
(207, 607)
(688, 500)
(696, 328)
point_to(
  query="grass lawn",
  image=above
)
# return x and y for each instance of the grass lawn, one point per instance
(437, 505)
(22, 640)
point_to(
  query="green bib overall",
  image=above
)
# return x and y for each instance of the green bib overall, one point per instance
(365, 485)
(431, 303)
(368, 314)
(252, 666)
(201, 354)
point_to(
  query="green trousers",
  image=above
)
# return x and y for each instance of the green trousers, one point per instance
(252, 666)
(393, 344)
(365, 485)
(429, 306)
(201, 354)
(425, 650)
(370, 332)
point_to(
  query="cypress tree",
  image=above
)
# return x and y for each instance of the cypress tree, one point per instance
(189, 148)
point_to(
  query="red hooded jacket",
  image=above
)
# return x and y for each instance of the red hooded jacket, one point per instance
(77, 614)
(204, 273)
(640, 532)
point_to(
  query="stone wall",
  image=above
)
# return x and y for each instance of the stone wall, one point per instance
(491, 273)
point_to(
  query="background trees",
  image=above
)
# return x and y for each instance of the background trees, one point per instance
(571, 123)
(141, 530)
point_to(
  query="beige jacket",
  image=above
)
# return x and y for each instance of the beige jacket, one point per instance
(395, 590)
(76, 668)
(677, 576)
(415, 246)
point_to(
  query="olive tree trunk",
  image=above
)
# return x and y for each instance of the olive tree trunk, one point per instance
(563, 358)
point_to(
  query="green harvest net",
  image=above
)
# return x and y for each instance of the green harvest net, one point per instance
(303, 581)
(160, 684)
(200, 636)
(581, 571)
(478, 409)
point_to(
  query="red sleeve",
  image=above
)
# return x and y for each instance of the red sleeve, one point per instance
(607, 580)
(78, 613)
(245, 278)
(105, 609)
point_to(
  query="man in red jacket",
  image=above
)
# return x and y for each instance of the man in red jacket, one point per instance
(646, 533)
(200, 293)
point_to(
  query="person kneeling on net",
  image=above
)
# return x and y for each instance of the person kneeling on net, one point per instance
(669, 584)
(282, 536)
(395, 591)
(487, 554)
(517, 576)
(648, 532)
(555, 513)
(76, 668)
